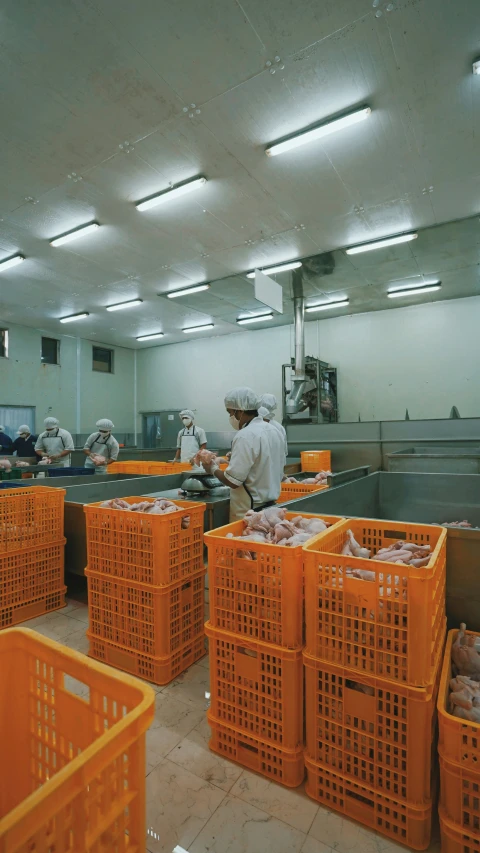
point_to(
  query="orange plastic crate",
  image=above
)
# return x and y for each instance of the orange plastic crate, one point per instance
(44, 603)
(152, 620)
(404, 822)
(316, 460)
(390, 627)
(150, 549)
(291, 491)
(460, 796)
(25, 575)
(73, 764)
(257, 688)
(138, 466)
(280, 765)
(168, 467)
(260, 598)
(458, 740)
(30, 517)
(159, 670)
(456, 839)
(385, 738)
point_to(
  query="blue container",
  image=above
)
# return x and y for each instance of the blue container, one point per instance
(6, 485)
(70, 472)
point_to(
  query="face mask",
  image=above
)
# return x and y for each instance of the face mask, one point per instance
(51, 430)
(234, 422)
(186, 420)
(104, 432)
(24, 434)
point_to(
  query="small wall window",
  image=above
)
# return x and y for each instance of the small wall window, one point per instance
(102, 360)
(3, 343)
(50, 351)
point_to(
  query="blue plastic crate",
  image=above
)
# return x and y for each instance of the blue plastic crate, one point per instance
(7, 485)
(70, 472)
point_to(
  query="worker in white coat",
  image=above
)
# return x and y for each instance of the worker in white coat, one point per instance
(55, 443)
(190, 439)
(101, 443)
(269, 402)
(255, 469)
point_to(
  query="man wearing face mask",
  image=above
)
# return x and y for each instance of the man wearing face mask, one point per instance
(101, 443)
(190, 439)
(55, 443)
(256, 464)
(24, 445)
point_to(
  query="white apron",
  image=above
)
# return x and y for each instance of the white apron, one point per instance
(55, 444)
(189, 446)
(100, 447)
(240, 503)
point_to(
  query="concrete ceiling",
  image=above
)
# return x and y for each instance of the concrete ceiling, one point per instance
(104, 102)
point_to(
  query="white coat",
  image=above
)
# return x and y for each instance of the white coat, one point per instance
(56, 442)
(256, 467)
(281, 429)
(190, 440)
(106, 446)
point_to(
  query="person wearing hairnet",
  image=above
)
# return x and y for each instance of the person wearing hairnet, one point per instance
(5, 441)
(24, 445)
(255, 469)
(101, 443)
(268, 405)
(55, 443)
(190, 439)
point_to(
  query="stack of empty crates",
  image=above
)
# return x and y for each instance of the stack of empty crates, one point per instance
(146, 589)
(32, 549)
(255, 644)
(374, 641)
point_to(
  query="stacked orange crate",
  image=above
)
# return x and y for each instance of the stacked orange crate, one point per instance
(32, 547)
(146, 580)
(372, 668)
(255, 644)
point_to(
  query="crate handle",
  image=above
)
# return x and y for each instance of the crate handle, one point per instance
(248, 746)
(353, 685)
(70, 683)
(395, 534)
(251, 653)
(186, 585)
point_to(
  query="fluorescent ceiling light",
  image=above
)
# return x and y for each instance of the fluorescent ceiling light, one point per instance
(186, 290)
(198, 328)
(318, 132)
(323, 306)
(258, 318)
(151, 337)
(381, 244)
(170, 194)
(291, 265)
(476, 66)
(121, 305)
(73, 235)
(413, 291)
(11, 262)
(73, 317)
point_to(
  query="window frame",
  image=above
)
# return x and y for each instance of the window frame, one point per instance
(52, 363)
(112, 360)
(6, 342)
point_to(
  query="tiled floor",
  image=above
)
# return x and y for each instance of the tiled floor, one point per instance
(197, 801)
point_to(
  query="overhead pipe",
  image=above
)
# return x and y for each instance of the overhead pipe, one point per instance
(294, 401)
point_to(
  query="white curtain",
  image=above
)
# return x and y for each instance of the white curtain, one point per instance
(11, 417)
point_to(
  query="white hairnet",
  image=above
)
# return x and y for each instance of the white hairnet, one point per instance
(263, 412)
(23, 428)
(104, 423)
(242, 399)
(187, 413)
(269, 401)
(50, 423)
(2, 429)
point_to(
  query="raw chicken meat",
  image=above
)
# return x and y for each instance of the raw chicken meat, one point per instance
(465, 655)
(320, 479)
(5, 465)
(45, 461)
(271, 527)
(21, 464)
(160, 506)
(463, 523)
(204, 456)
(353, 549)
(97, 459)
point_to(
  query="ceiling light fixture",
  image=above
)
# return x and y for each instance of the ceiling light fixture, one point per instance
(73, 317)
(170, 194)
(121, 305)
(186, 290)
(323, 306)
(476, 66)
(8, 263)
(290, 265)
(151, 337)
(258, 318)
(413, 291)
(381, 244)
(73, 235)
(198, 328)
(318, 132)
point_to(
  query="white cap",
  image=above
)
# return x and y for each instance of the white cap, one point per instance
(187, 413)
(23, 428)
(50, 423)
(263, 412)
(242, 399)
(105, 424)
(2, 429)
(269, 401)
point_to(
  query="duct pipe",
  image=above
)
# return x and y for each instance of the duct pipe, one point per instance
(294, 401)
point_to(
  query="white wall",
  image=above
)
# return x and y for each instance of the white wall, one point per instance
(423, 358)
(52, 389)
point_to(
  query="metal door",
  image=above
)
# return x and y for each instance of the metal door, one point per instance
(160, 429)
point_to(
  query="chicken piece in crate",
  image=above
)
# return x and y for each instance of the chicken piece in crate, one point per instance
(142, 547)
(376, 617)
(72, 750)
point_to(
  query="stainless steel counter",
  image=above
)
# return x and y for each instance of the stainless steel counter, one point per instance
(435, 460)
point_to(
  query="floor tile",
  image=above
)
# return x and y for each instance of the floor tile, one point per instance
(179, 804)
(57, 628)
(80, 613)
(238, 827)
(290, 805)
(313, 846)
(191, 687)
(173, 721)
(344, 835)
(77, 639)
(193, 753)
